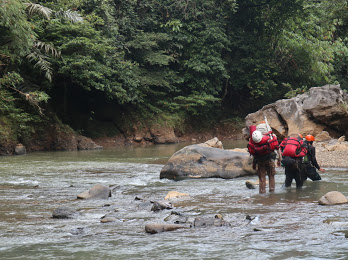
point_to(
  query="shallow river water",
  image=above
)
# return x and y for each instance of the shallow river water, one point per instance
(288, 224)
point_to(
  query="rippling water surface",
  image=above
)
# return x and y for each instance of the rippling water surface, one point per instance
(288, 224)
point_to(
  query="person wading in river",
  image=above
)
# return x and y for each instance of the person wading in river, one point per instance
(310, 161)
(293, 151)
(263, 146)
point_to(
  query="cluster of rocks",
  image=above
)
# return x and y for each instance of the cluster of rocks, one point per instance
(179, 220)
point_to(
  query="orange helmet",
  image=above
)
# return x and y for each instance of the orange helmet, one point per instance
(310, 138)
(300, 136)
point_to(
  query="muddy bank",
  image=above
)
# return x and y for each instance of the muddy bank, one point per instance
(225, 132)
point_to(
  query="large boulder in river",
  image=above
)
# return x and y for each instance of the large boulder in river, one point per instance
(199, 161)
(322, 108)
(333, 198)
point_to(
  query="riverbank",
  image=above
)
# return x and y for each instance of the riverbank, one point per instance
(225, 132)
(332, 159)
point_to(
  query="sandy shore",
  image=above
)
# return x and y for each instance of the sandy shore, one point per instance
(332, 159)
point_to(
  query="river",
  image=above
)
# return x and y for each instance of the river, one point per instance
(288, 224)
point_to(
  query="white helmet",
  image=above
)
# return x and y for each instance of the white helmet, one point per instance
(256, 136)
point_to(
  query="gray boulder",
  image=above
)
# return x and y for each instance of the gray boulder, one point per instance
(98, 191)
(198, 161)
(322, 108)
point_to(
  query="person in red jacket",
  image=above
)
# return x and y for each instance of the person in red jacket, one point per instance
(293, 151)
(264, 149)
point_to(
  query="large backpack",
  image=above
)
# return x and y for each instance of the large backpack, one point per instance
(293, 147)
(266, 146)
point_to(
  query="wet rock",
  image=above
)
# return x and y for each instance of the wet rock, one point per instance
(197, 161)
(252, 220)
(333, 198)
(161, 205)
(98, 191)
(64, 213)
(175, 194)
(77, 231)
(157, 228)
(108, 219)
(20, 149)
(250, 184)
(145, 205)
(253, 184)
(216, 221)
(176, 218)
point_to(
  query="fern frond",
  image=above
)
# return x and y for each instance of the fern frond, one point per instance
(47, 48)
(36, 8)
(70, 15)
(41, 62)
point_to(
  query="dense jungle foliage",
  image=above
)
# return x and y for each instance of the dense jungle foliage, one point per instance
(90, 63)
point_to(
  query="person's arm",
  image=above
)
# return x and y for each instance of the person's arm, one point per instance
(279, 157)
(314, 159)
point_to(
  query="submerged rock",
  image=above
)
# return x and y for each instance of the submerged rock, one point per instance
(98, 191)
(175, 194)
(216, 221)
(77, 231)
(64, 213)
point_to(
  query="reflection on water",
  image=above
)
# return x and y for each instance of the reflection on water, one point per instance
(287, 224)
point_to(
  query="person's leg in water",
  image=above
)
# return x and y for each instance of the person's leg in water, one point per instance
(271, 173)
(298, 175)
(261, 171)
(288, 176)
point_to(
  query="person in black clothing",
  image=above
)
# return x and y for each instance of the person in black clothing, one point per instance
(311, 163)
